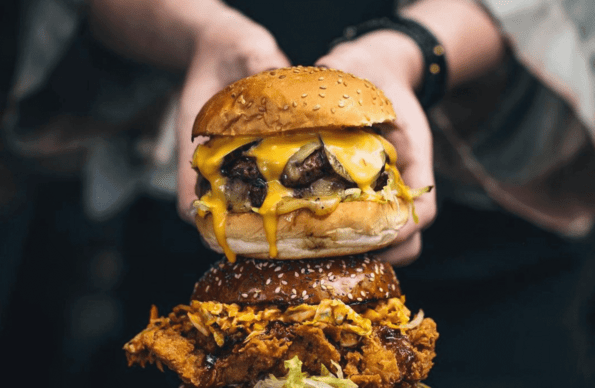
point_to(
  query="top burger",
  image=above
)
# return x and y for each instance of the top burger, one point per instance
(296, 167)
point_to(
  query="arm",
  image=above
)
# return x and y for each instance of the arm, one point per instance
(473, 46)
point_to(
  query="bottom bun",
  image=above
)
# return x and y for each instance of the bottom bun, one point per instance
(354, 227)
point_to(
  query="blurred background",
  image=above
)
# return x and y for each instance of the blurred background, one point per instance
(90, 237)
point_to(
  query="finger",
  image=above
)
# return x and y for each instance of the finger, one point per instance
(413, 142)
(269, 60)
(404, 253)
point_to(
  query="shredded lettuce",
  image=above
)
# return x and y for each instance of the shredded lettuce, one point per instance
(295, 378)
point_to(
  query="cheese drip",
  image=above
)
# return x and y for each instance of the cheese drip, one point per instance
(220, 319)
(361, 153)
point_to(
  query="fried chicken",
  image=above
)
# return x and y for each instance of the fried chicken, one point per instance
(385, 358)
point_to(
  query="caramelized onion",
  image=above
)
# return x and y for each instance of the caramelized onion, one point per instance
(415, 322)
(337, 167)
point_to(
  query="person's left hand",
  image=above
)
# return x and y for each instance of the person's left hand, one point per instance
(393, 63)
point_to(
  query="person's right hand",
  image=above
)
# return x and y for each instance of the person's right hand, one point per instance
(228, 47)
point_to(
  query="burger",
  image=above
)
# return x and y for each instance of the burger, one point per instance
(322, 323)
(295, 166)
(298, 183)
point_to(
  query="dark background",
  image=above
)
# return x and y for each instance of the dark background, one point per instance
(513, 303)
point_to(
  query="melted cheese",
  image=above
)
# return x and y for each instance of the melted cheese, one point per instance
(361, 153)
(220, 319)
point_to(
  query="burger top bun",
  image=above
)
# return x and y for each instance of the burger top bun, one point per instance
(350, 279)
(294, 98)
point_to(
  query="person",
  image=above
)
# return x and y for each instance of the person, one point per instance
(509, 149)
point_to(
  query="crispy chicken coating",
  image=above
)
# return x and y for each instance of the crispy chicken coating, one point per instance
(386, 358)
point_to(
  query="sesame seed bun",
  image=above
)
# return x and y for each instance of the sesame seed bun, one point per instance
(354, 227)
(350, 279)
(290, 99)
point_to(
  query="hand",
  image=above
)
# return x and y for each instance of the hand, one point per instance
(393, 63)
(230, 47)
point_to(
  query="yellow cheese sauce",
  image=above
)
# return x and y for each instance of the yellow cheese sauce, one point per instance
(361, 153)
(220, 319)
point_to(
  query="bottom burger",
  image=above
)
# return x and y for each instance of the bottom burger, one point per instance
(325, 323)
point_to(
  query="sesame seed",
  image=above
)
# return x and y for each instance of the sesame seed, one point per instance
(387, 294)
(244, 295)
(277, 269)
(350, 296)
(323, 287)
(321, 79)
(306, 297)
(341, 104)
(297, 275)
(283, 282)
(333, 110)
(321, 95)
(380, 288)
(320, 270)
(293, 291)
(282, 76)
(304, 95)
(285, 107)
(359, 91)
(277, 290)
(360, 102)
(219, 283)
(352, 275)
(293, 296)
(316, 107)
(280, 275)
(359, 299)
(304, 293)
(294, 104)
(322, 281)
(296, 71)
(345, 96)
(362, 293)
(330, 274)
(322, 87)
(207, 288)
(249, 104)
(340, 80)
(392, 286)
(359, 270)
(268, 281)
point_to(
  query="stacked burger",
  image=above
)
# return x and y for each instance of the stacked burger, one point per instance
(299, 184)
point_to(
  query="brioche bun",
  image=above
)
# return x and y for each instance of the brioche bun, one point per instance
(289, 99)
(354, 227)
(250, 282)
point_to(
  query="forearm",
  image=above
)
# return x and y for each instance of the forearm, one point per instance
(162, 32)
(472, 42)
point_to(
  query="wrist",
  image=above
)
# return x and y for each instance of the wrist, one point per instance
(402, 56)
